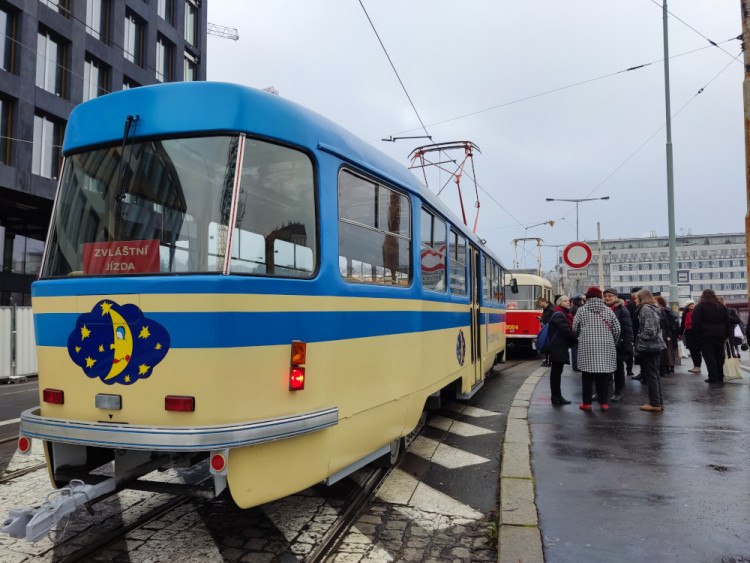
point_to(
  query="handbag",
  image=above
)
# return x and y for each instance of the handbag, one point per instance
(732, 369)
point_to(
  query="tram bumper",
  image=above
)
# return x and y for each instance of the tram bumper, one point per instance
(174, 438)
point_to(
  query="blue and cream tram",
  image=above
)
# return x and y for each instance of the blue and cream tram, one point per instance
(231, 276)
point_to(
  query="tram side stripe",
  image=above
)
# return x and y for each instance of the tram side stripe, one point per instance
(242, 329)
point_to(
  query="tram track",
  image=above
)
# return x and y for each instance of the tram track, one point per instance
(21, 472)
(356, 502)
(100, 545)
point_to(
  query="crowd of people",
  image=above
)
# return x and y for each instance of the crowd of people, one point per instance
(603, 336)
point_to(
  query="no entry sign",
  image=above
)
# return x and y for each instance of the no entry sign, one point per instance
(577, 254)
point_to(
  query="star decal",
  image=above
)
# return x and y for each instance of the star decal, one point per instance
(144, 333)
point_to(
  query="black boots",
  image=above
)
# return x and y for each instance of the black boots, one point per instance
(560, 400)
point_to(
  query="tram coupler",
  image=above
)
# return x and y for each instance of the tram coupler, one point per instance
(35, 523)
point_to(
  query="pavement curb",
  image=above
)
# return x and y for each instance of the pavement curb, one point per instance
(520, 539)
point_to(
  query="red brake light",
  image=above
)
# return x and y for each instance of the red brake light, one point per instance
(180, 404)
(24, 444)
(54, 396)
(296, 378)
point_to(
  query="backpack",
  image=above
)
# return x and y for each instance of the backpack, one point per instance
(545, 338)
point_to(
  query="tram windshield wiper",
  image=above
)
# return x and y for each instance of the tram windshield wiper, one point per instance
(122, 176)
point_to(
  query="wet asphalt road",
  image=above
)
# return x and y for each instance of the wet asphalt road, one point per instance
(630, 485)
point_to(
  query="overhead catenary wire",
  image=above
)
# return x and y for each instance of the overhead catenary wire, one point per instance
(408, 97)
(683, 22)
(566, 87)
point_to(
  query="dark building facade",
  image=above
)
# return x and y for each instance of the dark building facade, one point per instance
(55, 54)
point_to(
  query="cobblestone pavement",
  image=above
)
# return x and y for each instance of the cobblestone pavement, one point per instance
(421, 513)
(392, 532)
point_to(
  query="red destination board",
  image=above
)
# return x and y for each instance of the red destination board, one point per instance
(131, 257)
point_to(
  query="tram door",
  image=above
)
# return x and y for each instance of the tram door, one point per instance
(476, 346)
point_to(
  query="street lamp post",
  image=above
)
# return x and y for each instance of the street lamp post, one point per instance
(577, 201)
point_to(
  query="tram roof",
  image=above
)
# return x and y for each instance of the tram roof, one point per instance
(205, 107)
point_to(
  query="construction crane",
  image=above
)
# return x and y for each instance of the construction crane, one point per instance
(222, 31)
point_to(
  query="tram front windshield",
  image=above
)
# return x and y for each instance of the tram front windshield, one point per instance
(527, 298)
(164, 206)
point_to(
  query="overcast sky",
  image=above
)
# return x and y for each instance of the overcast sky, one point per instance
(540, 87)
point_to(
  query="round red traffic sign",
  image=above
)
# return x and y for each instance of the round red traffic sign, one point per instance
(577, 254)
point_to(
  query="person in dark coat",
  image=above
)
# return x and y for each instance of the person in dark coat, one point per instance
(669, 328)
(625, 345)
(633, 319)
(648, 345)
(561, 325)
(689, 338)
(711, 326)
(734, 321)
(547, 310)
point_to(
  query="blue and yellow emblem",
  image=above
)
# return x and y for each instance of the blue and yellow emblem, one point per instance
(117, 343)
(460, 348)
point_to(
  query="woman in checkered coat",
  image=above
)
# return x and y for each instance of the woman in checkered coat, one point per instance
(598, 331)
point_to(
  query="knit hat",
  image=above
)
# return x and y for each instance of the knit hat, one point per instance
(690, 302)
(594, 291)
(611, 290)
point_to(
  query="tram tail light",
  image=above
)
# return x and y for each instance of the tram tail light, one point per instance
(54, 396)
(179, 404)
(297, 368)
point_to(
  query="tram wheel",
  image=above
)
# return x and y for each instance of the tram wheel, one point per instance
(392, 457)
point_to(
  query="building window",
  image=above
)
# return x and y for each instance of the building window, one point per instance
(46, 150)
(191, 22)
(133, 48)
(6, 129)
(191, 68)
(165, 9)
(50, 63)
(163, 60)
(95, 79)
(8, 40)
(62, 7)
(128, 83)
(97, 19)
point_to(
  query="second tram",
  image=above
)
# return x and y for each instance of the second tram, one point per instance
(523, 310)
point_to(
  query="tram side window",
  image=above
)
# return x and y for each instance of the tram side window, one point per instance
(276, 228)
(374, 232)
(487, 279)
(434, 245)
(457, 263)
(499, 295)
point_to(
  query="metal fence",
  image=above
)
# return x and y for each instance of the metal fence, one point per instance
(17, 343)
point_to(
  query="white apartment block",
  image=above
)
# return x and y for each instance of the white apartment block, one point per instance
(715, 262)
